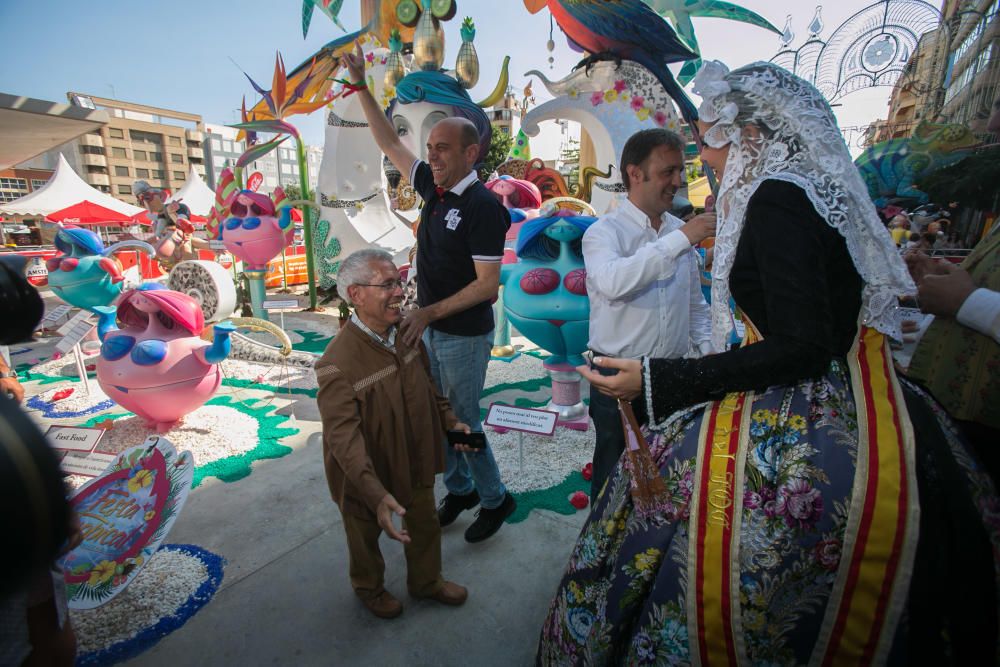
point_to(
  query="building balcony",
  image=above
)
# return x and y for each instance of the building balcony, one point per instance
(98, 179)
(199, 169)
(194, 135)
(196, 153)
(92, 140)
(94, 160)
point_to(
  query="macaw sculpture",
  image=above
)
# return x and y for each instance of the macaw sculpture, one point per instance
(623, 30)
(891, 168)
(680, 12)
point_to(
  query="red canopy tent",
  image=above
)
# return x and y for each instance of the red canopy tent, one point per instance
(87, 213)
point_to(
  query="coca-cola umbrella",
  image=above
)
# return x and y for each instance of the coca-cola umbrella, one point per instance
(87, 213)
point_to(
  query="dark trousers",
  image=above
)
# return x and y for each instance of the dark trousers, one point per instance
(610, 434)
(423, 553)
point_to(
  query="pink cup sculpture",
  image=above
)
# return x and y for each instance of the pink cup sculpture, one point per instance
(257, 228)
(153, 361)
(522, 198)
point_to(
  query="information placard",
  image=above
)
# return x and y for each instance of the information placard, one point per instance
(57, 313)
(86, 464)
(75, 438)
(528, 420)
(82, 316)
(286, 304)
(74, 336)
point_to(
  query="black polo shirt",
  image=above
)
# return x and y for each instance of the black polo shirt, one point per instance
(456, 230)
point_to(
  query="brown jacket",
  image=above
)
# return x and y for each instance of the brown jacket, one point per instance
(383, 421)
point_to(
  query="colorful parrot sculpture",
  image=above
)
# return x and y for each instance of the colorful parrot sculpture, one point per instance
(679, 12)
(625, 29)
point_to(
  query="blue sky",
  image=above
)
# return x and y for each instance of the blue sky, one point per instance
(181, 55)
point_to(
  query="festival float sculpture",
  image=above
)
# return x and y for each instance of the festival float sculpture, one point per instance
(153, 361)
(545, 297)
(891, 168)
(125, 514)
(87, 274)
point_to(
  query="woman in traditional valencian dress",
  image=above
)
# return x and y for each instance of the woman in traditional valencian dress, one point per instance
(816, 510)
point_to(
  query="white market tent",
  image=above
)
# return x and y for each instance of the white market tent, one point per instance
(65, 188)
(195, 194)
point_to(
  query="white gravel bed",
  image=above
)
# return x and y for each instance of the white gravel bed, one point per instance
(167, 581)
(78, 401)
(210, 433)
(277, 374)
(547, 461)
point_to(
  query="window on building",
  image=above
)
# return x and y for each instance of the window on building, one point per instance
(156, 173)
(146, 137)
(227, 146)
(117, 151)
(121, 171)
(37, 183)
(174, 157)
(216, 145)
(142, 173)
(124, 189)
(139, 155)
(155, 156)
(178, 175)
(92, 169)
(193, 144)
(13, 184)
(175, 141)
(91, 150)
(116, 133)
(104, 188)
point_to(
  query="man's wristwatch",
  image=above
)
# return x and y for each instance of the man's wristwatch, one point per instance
(8, 374)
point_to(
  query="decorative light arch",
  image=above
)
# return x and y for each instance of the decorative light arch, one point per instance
(869, 49)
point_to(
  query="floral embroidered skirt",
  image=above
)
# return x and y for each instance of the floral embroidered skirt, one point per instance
(623, 597)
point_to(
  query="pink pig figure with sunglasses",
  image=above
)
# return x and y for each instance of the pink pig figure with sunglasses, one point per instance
(257, 228)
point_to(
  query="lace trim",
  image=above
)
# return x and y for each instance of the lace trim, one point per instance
(798, 141)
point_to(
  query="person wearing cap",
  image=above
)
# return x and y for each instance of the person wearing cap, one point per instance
(172, 228)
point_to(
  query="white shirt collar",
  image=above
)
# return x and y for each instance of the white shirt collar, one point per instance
(460, 187)
(634, 214)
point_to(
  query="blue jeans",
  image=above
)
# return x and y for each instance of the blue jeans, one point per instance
(458, 364)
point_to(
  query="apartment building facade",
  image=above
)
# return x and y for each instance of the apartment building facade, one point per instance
(139, 142)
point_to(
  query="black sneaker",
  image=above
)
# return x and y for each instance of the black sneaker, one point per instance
(489, 521)
(453, 505)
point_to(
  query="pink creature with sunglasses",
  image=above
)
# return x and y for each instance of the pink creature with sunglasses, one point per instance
(153, 360)
(257, 228)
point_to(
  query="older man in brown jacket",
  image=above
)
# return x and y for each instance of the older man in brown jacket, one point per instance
(383, 422)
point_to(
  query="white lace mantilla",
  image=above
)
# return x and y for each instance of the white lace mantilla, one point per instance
(786, 131)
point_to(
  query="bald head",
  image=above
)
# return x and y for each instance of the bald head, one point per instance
(452, 150)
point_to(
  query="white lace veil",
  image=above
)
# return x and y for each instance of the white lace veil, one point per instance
(796, 140)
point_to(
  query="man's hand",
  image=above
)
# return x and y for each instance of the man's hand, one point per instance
(944, 294)
(414, 323)
(921, 265)
(13, 387)
(386, 508)
(464, 428)
(355, 63)
(627, 384)
(700, 227)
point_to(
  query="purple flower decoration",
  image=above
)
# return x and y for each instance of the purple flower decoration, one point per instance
(637, 102)
(596, 98)
(800, 503)
(660, 118)
(620, 85)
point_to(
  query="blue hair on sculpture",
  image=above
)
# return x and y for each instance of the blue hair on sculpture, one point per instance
(532, 242)
(439, 88)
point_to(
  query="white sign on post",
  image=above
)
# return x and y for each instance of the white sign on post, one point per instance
(74, 336)
(90, 464)
(528, 420)
(57, 313)
(83, 315)
(286, 304)
(74, 438)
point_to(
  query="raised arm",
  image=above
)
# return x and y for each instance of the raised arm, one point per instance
(382, 130)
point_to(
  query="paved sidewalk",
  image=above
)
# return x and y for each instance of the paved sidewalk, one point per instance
(286, 600)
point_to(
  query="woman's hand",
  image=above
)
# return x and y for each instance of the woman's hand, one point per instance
(627, 384)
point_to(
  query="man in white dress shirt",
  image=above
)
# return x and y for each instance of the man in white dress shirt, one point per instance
(643, 280)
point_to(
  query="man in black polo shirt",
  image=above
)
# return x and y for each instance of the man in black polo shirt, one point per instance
(460, 244)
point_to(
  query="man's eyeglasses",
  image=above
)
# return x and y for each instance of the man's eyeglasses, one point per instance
(388, 285)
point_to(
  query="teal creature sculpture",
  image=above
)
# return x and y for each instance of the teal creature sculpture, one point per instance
(86, 274)
(545, 293)
(891, 169)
